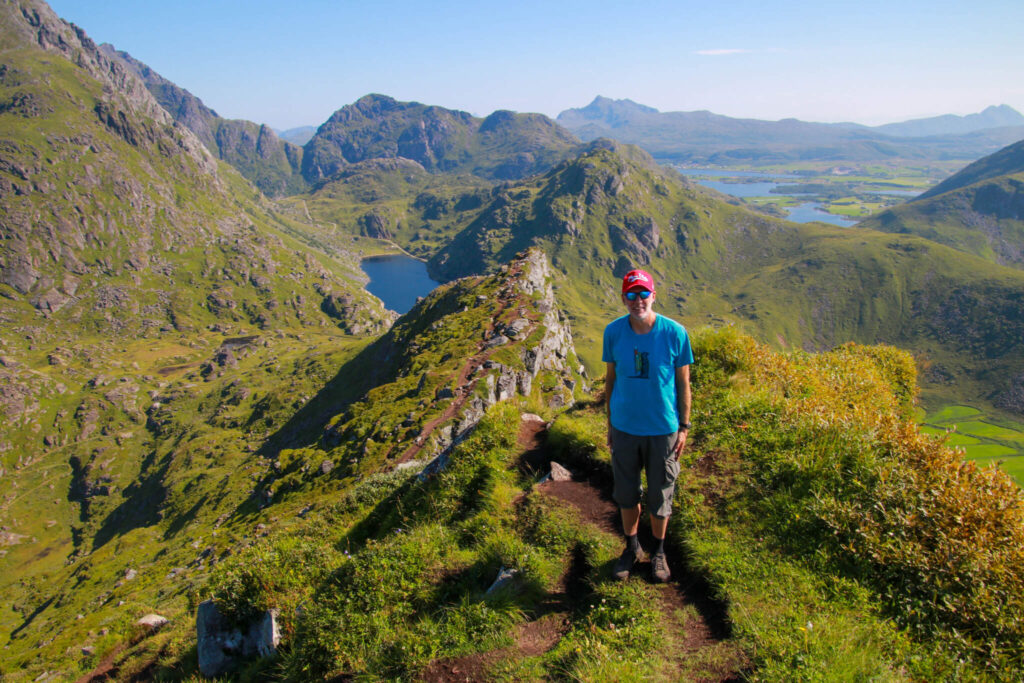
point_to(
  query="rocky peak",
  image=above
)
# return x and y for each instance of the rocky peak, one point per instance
(33, 23)
(442, 381)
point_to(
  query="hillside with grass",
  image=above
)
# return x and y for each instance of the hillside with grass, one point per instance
(801, 286)
(201, 405)
(979, 209)
(247, 443)
(810, 539)
(130, 259)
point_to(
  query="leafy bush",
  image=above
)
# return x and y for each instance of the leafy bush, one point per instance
(836, 473)
(272, 574)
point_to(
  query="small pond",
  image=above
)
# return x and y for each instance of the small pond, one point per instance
(397, 280)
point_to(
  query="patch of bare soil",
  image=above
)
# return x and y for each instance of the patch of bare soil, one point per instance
(595, 506)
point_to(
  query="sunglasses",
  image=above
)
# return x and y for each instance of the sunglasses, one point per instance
(643, 294)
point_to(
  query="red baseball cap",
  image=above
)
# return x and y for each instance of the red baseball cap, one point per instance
(637, 279)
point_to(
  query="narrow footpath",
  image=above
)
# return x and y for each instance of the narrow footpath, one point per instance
(699, 645)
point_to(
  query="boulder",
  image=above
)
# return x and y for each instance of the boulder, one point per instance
(505, 578)
(222, 646)
(559, 473)
(152, 621)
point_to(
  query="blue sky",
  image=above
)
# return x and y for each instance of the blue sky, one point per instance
(292, 64)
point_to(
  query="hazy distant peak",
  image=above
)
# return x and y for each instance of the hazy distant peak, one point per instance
(996, 116)
(605, 102)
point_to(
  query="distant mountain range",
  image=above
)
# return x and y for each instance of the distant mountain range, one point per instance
(505, 145)
(1002, 116)
(704, 137)
(297, 136)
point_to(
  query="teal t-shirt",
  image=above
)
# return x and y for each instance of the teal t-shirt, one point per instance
(643, 400)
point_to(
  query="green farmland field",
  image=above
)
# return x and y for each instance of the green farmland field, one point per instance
(982, 440)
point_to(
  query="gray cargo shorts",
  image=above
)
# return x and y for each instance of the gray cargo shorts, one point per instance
(630, 455)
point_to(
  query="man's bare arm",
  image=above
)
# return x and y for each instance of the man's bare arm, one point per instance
(683, 404)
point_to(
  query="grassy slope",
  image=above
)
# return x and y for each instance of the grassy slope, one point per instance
(777, 511)
(128, 258)
(809, 286)
(804, 286)
(226, 453)
(979, 209)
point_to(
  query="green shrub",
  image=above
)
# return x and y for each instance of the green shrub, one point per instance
(836, 473)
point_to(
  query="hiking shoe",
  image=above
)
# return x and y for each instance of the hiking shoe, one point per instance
(659, 568)
(624, 565)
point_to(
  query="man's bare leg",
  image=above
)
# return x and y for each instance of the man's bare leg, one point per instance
(631, 520)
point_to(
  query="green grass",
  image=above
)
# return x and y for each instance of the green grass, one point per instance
(1011, 464)
(953, 414)
(982, 440)
(988, 450)
(987, 430)
(792, 464)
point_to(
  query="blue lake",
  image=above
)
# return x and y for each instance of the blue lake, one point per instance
(811, 211)
(761, 185)
(397, 280)
(758, 189)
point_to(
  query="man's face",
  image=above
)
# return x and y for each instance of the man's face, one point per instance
(639, 307)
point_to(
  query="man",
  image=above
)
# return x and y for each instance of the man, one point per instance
(647, 386)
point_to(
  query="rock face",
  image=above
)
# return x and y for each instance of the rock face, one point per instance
(530, 279)
(505, 145)
(222, 647)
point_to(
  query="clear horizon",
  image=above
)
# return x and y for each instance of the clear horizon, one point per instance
(870, 63)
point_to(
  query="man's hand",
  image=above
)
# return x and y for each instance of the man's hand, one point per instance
(677, 450)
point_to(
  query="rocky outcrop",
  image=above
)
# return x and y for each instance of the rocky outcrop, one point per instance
(543, 344)
(377, 224)
(37, 24)
(222, 646)
(255, 150)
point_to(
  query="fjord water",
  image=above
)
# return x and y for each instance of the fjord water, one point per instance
(397, 280)
(756, 184)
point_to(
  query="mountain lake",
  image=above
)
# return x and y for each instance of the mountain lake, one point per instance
(397, 280)
(757, 184)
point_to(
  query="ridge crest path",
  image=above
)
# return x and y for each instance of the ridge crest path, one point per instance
(696, 621)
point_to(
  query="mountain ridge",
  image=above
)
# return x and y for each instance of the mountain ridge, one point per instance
(705, 137)
(979, 209)
(504, 145)
(255, 150)
(200, 401)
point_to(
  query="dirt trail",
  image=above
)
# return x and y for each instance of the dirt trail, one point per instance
(464, 385)
(698, 624)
